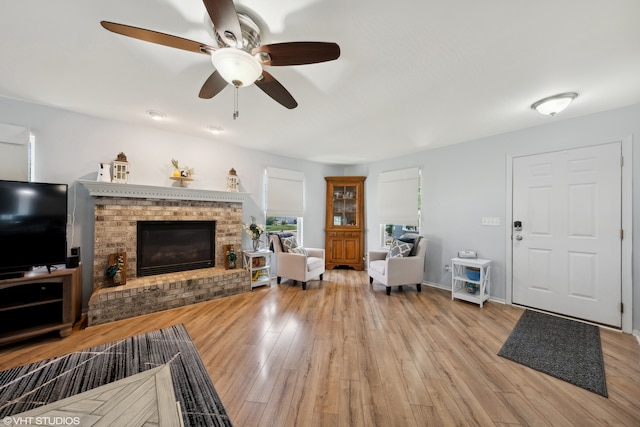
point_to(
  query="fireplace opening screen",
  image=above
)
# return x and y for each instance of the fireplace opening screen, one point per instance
(171, 246)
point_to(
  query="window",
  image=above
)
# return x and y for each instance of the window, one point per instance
(399, 203)
(284, 201)
(393, 231)
(15, 153)
(290, 224)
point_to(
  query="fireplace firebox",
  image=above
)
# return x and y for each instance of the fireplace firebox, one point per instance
(172, 246)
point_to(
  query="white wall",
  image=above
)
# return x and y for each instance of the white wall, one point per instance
(70, 146)
(461, 183)
(465, 182)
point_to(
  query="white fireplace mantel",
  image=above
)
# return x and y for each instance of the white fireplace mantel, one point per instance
(110, 189)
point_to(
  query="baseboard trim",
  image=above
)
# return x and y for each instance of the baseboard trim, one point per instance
(448, 288)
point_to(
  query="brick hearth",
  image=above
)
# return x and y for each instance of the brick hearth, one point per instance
(146, 295)
(118, 208)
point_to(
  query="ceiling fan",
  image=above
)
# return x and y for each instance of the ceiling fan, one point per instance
(239, 57)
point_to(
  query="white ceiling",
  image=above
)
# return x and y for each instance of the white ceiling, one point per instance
(412, 75)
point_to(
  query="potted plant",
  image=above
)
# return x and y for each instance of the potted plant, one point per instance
(182, 172)
(231, 258)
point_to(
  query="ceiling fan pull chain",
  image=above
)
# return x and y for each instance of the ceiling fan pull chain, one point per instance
(235, 104)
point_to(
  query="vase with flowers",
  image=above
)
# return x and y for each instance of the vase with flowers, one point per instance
(255, 231)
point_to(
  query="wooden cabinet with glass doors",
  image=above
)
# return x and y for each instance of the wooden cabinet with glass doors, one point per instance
(344, 233)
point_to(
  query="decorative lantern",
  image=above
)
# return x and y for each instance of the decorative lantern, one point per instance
(120, 169)
(232, 181)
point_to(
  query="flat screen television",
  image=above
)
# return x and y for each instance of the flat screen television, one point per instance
(33, 225)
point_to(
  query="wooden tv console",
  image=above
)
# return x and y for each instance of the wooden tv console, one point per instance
(40, 302)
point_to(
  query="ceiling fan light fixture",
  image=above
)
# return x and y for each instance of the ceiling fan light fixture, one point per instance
(236, 66)
(554, 104)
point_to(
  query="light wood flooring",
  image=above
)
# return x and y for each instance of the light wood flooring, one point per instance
(342, 353)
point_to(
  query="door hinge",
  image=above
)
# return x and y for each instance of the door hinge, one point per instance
(621, 307)
(621, 234)
(621, 161)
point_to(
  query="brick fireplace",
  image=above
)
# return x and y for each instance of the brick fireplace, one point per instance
(117, 210)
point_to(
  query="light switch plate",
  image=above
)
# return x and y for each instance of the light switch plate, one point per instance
(491, 220)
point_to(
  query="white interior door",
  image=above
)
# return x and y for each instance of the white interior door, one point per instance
(567, 255)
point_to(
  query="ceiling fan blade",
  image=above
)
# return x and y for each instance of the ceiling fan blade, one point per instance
(275, 90)
(225, 20)
(212, 86)
(296, 53)
(159, 38)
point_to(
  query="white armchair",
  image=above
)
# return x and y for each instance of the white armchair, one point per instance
(398, 271)
(295, 266)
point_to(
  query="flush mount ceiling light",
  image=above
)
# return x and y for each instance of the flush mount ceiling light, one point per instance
(216, 130)
(156, 115)
(554, 104)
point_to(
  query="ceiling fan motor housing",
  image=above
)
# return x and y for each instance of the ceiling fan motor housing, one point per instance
(250, 34)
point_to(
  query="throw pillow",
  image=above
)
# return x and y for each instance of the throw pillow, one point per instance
(299, 250)
(289, 243)
(411, 238)
(399, 249)
(281, 235)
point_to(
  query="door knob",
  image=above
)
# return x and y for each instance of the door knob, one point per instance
(518, 237)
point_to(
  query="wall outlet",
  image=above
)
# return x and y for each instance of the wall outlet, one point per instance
(491, 220)
(447, 267)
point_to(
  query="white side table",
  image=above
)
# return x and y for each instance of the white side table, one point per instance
(462, 287)
(258, 264)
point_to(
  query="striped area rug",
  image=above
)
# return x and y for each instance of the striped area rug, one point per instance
(30, 386)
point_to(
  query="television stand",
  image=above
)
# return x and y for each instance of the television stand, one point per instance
(40, 302)
(12, 275)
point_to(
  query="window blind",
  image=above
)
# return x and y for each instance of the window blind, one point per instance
(398, 197)
(285, 192)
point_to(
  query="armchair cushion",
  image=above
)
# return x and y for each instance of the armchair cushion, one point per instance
(314, 263)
